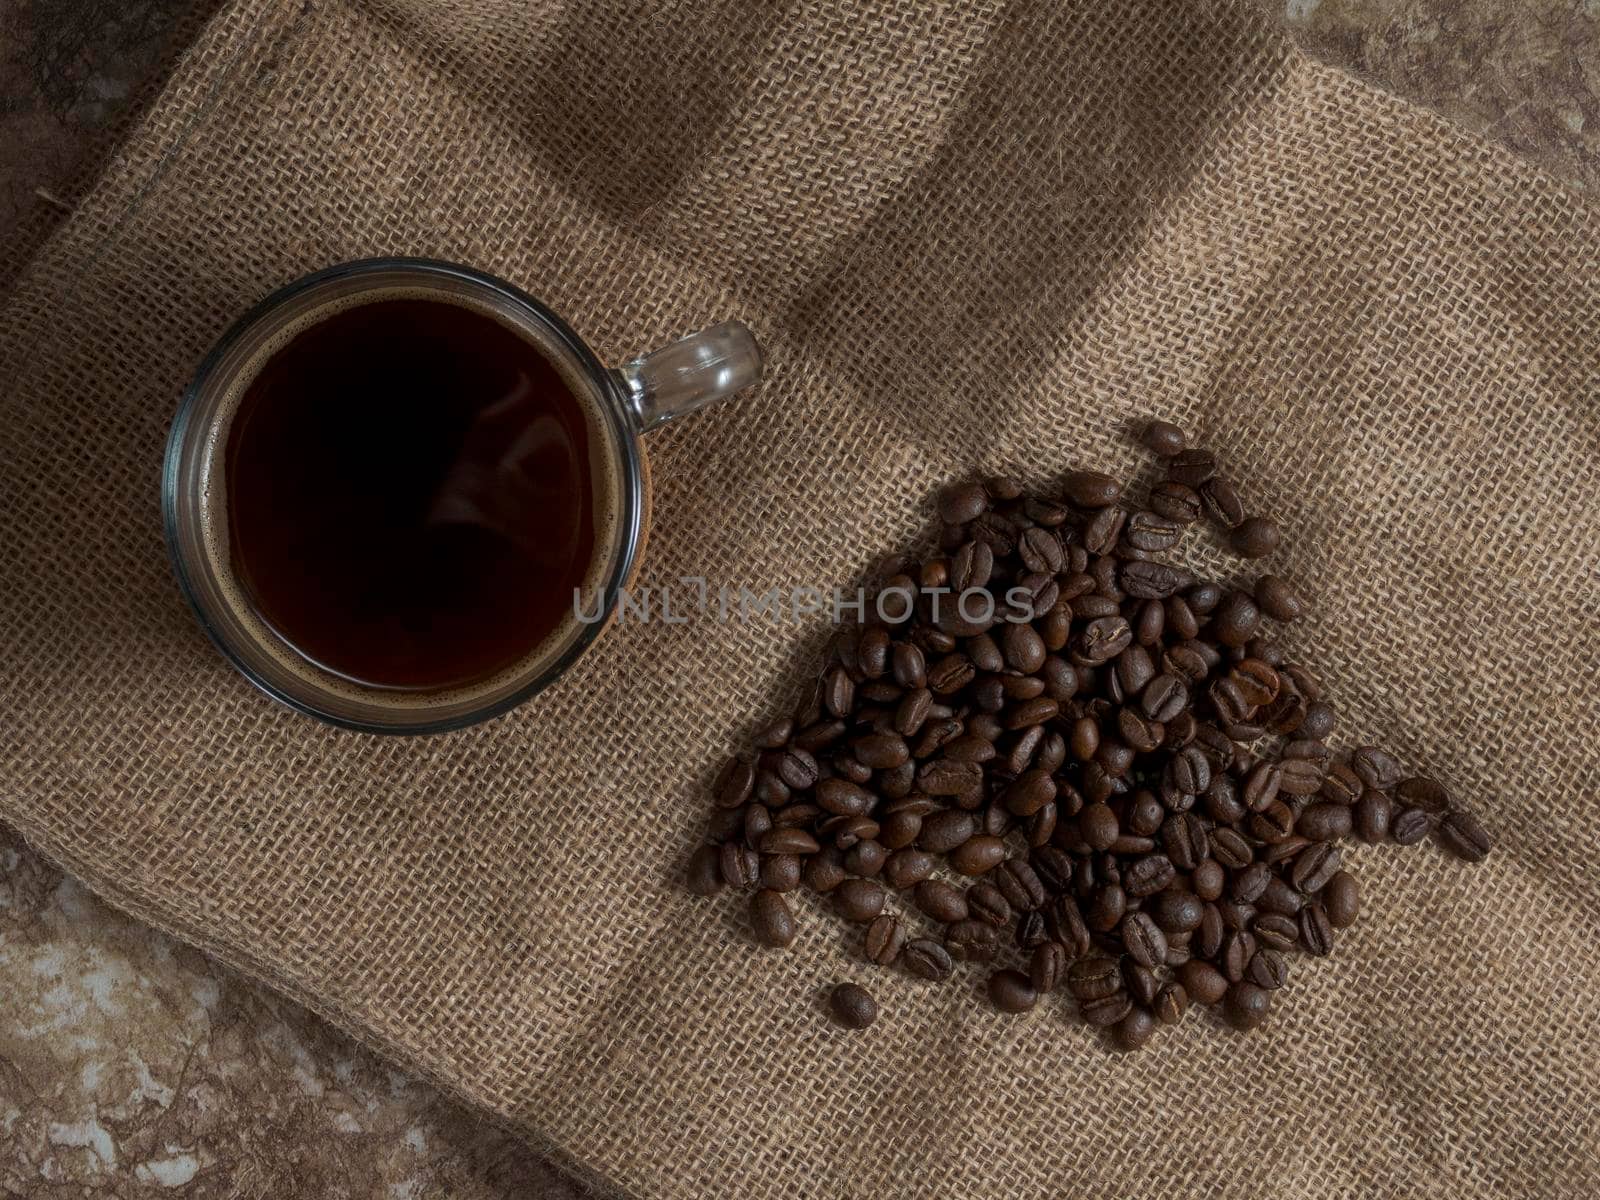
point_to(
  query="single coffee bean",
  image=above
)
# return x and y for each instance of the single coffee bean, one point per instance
(1065, 924)
(971, 941)
(844, 798)
(1176, 502)
(1012, 991)
(1230, 849)
(780, 872)
(907, 868)
(1091, 489)
(1250, 883)
(1254, 537)
(1283, 851)
(1164, 697)
(1372, 815)
(882, 751)
(1151, 531)
(1163, 438)
(1191, 467)
(1172, 1001)
(1376, 768)
(1186, 840)
(1246, 1005)
(1202, 981)
(1341, 898)
(1135, 1030)
(1279, 897)
(1178, 912)
(1238, 947)
(825, 871)
(1268, 970)
(1222, 502)
(1315, 865)
(900, 829)
(1047, 967)
(788, 839)
(987, 904)
(1148, 875)
(1152, 580)
(1409, 826)
(886, 938)
(1312, 749)
(943, 831)
(1094, 978)
(962, 502)
(909, 665)
(1030, 792)
(1020, 885)
(1319, 720)
(1279, 599)
(1236, 619)
(1208, 879)
(1461, 834)
(1316, 930)
(977, 855)
(734, 785)
(770, 918)
(1276, 931)
(1325, 822)
(945, 777)
(1143, 939)
(1106, 1011)
(740, 865)
(926, 959)
(1257, 682)
(1207, 939)
(852, 1006)
(859, 899)
(941, 901)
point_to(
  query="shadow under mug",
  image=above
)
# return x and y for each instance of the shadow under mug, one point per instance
(630, 401)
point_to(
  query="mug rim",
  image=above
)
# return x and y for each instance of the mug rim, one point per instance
(625, 435)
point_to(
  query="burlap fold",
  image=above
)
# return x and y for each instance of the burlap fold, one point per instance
(971, 235)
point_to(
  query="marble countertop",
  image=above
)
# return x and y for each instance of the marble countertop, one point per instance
(135, 1067)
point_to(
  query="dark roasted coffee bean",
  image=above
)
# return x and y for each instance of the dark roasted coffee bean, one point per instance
(941, 901)
(984, 652)
(1028, 793)
(939, 732)
(1090, 489)
(1248, 884)
(943, 777)
(1229, 848)
(1184, 838)
(734, 785)
(997, 530)
(1191, 467)
(1019, 884)
(1094, 979)
(776, 735)
(825, 871)
(1145, 814)
(1129, 843)
(1106, 1011)
(1053, 867)
(977, 855)
(820, 734)
(907, 868)
(882, 751)
(845, 766)
(1419, 791)
(910, 667)
(1238, 947)
(1172, 1001)
(1261, 787)
(1341, 785)
(1140, 982)
(865, 857)
(1316, 931)
(1279, 599)
(886, 938)
(1163, 438)
(970, 748)
(1047, 967)
(1236, 914)
(1319, 720)
(1222, 502)
(1208, 879)
(1254, 537)
(780, 872)
(1276, 930)
(1012, 991)
(1341, 899)
(986, 903)
(1152, 580)
(1409, 826)
(1325, 822)
(971, 567)
(841, 797)
(1031, 930)
(1372, 815)
(1236, 619)
(1299, 777)
(797, 768)
(1222, 802)
(1268, 970)
(788, 839)
(1065, 924)
(950, 674)
(770, 919)
(962, 502)
(852, 1006)
(1283, 851)
(1189, 771)
(1143, 939)
(971, 941)
(926, 959)
(1461, 834)
(1110, 903)
(1176, 502)
(1202, 981)
(900, 829)
(1164, 697)
(1147, 875)
(1178, 912)
(1101, 640)
(1375, 768)
(872, 652)
(1313, 751)
(1151, 531)
(838, 692)
(1040, 550)
(740, 865)
(704, 876)
(942, 832)
(1280, 898)
(1257, 682)
(1246, 1005)
(1275, 823)
(758, 823)
(859, 899)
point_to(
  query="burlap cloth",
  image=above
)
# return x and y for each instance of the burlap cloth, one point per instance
(971, 235)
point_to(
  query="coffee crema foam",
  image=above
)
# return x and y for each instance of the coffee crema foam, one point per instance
(606, 478)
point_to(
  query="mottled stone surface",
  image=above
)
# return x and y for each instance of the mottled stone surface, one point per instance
(131, 1066)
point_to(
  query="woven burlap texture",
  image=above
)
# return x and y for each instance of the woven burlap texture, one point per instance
(972, 236)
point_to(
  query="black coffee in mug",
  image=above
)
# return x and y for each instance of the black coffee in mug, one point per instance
(411, 493)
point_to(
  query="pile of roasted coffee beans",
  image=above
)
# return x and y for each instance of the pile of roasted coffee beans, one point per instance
(1099, 774)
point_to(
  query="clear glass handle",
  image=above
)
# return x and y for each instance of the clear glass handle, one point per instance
(691, 373)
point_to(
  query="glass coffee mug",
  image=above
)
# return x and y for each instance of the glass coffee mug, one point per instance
(403, 496)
